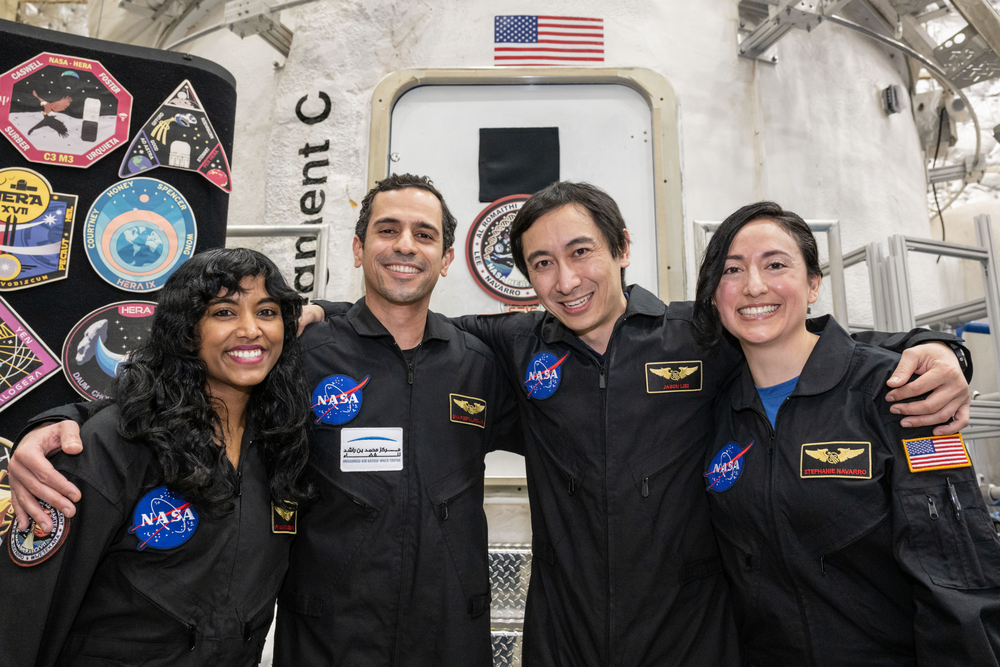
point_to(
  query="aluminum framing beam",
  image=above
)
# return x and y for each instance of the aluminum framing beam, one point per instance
(788, 14)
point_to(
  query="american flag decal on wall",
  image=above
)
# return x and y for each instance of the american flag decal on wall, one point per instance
(526, 41)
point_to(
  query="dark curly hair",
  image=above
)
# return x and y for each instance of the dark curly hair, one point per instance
(160, 388)
(708, 325)
(401, 182)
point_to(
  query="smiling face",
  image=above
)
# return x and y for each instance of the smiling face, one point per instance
(765, 290)
(402, 255)
(242, 336)
(574, 273)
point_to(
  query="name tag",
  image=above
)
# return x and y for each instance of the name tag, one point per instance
(371, 449)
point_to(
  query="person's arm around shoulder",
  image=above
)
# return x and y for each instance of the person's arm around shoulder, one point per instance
(33, 477)
(941, 376)
(46, 577)
(945, 541)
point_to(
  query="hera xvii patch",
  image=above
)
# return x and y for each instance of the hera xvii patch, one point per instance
(63, 110)
(138, 232)
(726, 467)
(36, 228)
(29, 547)
(836, 459)
(467, 410)
(284, 521)
(664, 377)
(337, 399)
(488, 253)
(543, 375)
(163, 520)
(371, 449)
(938, 452)
(25, 360)
(181, 136)
(100, 342)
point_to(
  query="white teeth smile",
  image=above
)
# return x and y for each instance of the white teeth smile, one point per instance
(757, 311)
(578, 302)
(246, 354)
(402, 269)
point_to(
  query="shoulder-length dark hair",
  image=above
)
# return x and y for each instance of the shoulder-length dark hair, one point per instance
(706, 316)
(160, 388)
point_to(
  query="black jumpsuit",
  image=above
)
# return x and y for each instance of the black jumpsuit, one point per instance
(625, 569)
(391, 567)
(836, 552)
(99, 600)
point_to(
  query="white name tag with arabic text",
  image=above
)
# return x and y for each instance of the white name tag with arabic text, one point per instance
(371, 449)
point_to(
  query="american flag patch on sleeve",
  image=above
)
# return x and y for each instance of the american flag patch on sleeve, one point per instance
(936, 453)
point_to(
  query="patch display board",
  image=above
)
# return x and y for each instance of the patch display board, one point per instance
(51, 307)
(604, 138)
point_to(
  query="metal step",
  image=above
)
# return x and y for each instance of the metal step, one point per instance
(510, 570)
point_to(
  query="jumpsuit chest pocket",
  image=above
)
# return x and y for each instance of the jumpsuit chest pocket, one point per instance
(351, 506)
(457, 502)
(956, 549)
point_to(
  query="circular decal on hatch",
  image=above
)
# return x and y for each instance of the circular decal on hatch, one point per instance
(488, 252)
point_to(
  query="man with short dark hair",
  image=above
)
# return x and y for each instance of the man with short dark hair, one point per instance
(390, 566)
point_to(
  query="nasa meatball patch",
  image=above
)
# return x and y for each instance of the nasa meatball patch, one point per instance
(163, 520)
(726, 467)
(543, 375)
(29, 547)
(664, 377)
(836, 459)
(337, 399)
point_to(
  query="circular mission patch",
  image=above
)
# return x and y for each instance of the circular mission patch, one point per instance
(488, 252)
(138, 232)
(29, 547)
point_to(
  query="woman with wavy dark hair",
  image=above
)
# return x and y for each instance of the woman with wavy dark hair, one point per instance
(191, 481)
(847, 539)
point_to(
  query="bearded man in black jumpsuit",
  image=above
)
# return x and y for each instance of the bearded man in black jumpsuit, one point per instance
(390, 566)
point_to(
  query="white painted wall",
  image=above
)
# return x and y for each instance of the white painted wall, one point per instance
(808, 132)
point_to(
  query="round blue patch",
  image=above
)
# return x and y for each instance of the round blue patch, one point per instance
(543, 375)
(138, 232)
(337, 399)
(163, 520)
(726, 467)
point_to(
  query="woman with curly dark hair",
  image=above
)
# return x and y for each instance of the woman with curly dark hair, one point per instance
(193, 476)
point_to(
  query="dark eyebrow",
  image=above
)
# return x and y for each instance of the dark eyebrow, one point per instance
(769, 253)
(420, 224)
(577, 241)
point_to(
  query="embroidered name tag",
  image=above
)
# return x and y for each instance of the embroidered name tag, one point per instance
(664, 377)
(468, 410)
(371, 449)
(836, 459)
(284, 521)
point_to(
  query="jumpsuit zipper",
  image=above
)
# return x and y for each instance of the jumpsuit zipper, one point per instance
(397, 659)
(774, 526)
(603, 385)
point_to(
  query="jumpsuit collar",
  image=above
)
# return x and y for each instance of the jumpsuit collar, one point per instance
(367, 325)
(824, 369)
(639, 302)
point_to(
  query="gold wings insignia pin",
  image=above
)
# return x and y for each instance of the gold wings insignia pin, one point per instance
(671, 374)
(836, 457)
(283, 513)
(471, 408)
